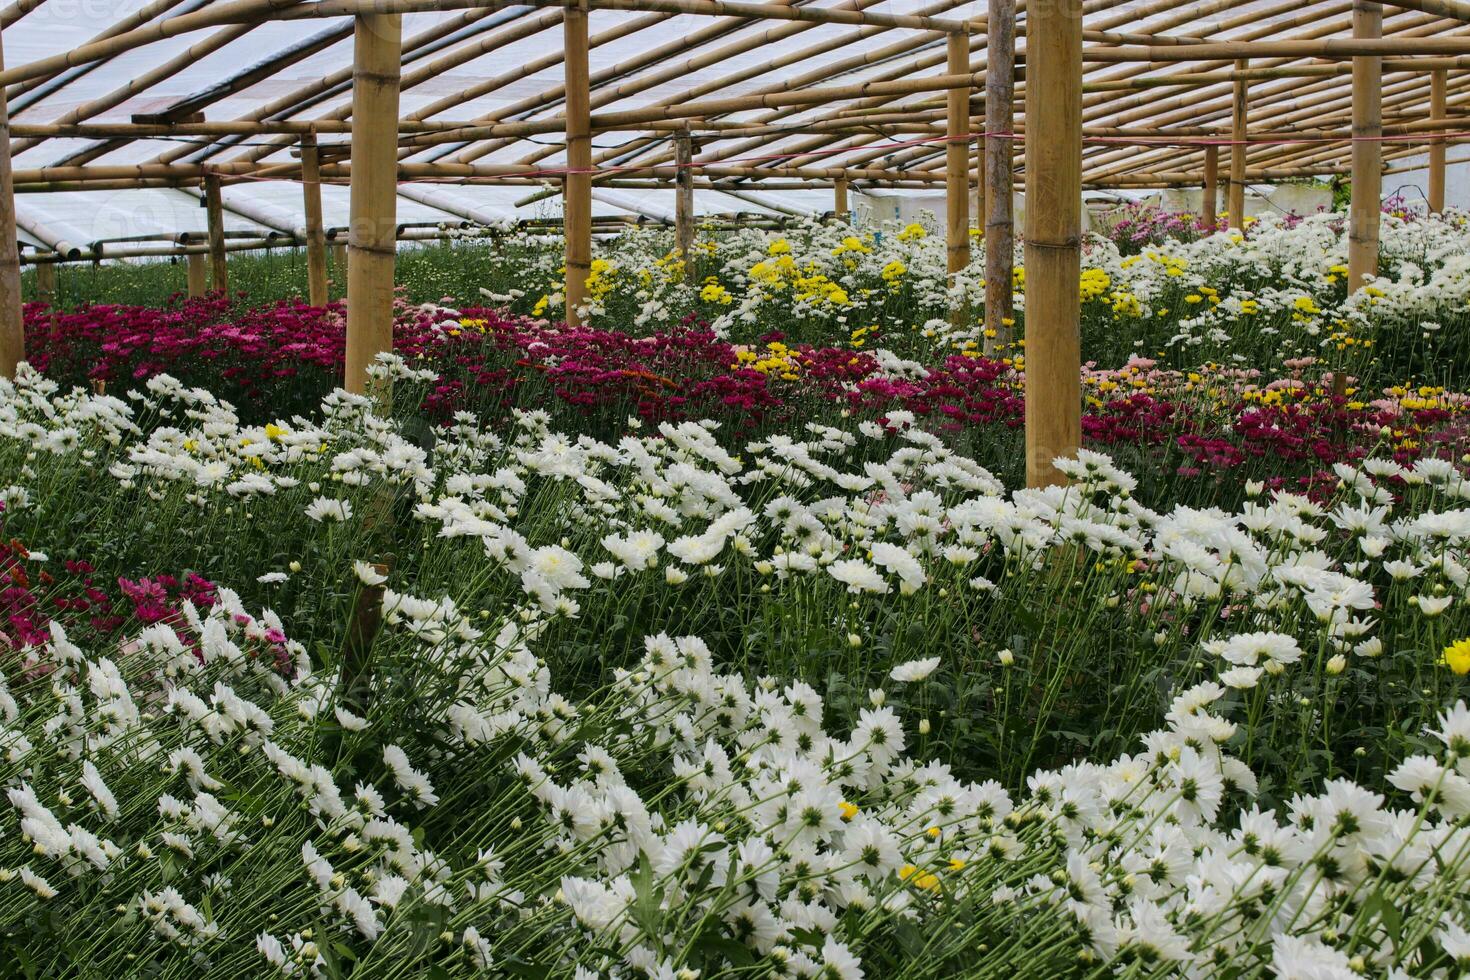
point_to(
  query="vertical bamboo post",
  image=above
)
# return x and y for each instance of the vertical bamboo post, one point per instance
(1235, 204)
(46, 283)
(373, 229)
(1367, 154)
(316, 236)
(339, 265)
(12, 324)
(839, 200)
(980, 182)
(577, 185)
(198, 275)
(957, 169)
(1209, 194)
(684, 201)
(1000, 229)
(1367, 160)
(1053, 237)
(46, 290)
(1438, 91)
(215, 214)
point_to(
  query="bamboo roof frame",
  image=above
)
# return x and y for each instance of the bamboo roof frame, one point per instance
(782, 94)
(1158, 79)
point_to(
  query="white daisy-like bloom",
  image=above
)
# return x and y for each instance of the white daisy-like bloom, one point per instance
(328, 509)
(858, 576)
(368, 574)
(1432, 606)
(914, 670)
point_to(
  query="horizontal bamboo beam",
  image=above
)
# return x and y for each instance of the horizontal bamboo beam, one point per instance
(232, 127)
(707, 8)
(461, 171)
(315, 127)
(1330, 47)
(1225, 77)
(104, 251)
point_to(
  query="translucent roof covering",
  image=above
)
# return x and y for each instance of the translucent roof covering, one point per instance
(485, 66)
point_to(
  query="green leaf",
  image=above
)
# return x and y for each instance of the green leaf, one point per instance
(525, 968)
(713, 945)
(646, 902)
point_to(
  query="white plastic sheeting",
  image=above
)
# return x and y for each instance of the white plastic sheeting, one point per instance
(517, 80)
(266, 205)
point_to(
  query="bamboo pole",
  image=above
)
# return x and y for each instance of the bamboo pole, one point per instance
(980, 181)
(215, 213)
(198, 277)
(1438, 89)
(577, 187)
(1235, 205)
(493, 172)
(518, 32)
(1191, 106)
(825, 71)
(1053, 238)
(684, 202)
(711, 107)
(707, 8)
(444, 33)
(1202, 78)
(29, 93)
(601, 84)
(839, 200)
(46, 283)
(1209, 194)
(1330, 47)
(373, 235)
(17, 10)
(957, 173)
(12, 325)
(160, 249)
(1000, 221)
(339, 265)
(108, 45)
(1449, 9)
(1317, 110)
(144, 81)
(226, 127)
(748, 41)
(1367, 151)
(107, 177)
(316, 236)
(776, 69)
(530, 105)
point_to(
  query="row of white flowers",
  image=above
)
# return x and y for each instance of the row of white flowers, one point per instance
(203, 800)
(192, 803)
(1277, 292)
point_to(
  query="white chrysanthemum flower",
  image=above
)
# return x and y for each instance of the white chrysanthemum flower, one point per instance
(914, 670)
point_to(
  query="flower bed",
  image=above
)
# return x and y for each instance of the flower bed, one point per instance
(723, 641)
(1205, 426)
(840, 704)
